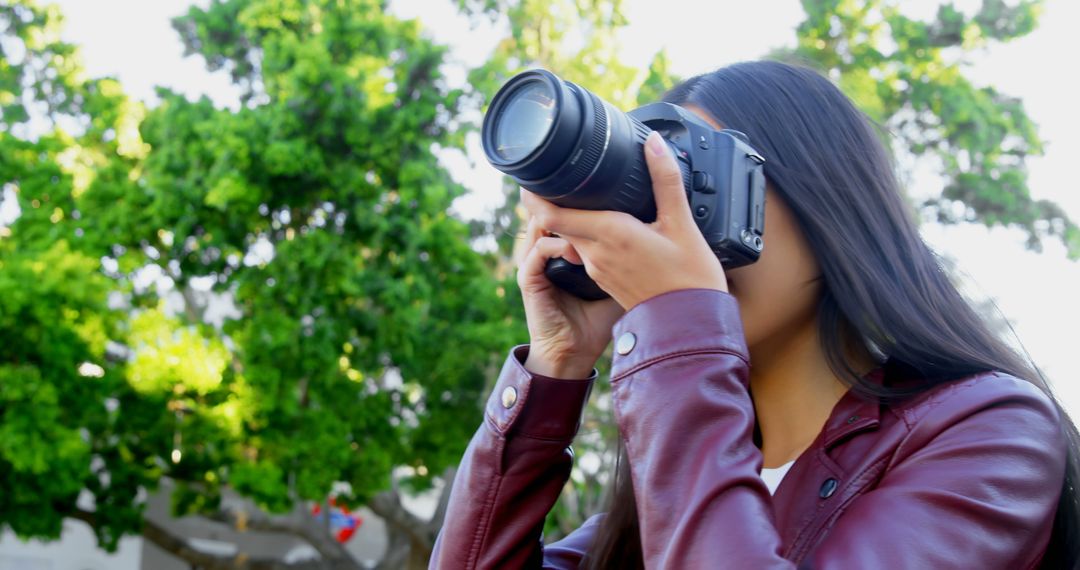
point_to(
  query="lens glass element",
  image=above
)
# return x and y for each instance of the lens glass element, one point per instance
(524, 121)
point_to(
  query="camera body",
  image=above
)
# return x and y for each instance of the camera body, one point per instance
(723, 178)
(562, 142)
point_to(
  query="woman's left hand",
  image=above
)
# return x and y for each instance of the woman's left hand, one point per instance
(631, 260)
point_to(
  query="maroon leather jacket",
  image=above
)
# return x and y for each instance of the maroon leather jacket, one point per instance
(965, 475)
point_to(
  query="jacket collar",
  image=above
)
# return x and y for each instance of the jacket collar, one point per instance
(853, 414)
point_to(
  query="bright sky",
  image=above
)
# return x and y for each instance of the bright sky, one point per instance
(1037, 292)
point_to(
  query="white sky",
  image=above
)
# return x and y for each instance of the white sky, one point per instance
(1038, 293)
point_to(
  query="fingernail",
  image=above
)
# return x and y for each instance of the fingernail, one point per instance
(656, 144)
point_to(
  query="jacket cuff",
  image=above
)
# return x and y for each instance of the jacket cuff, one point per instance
(534, 405)
(677, 322)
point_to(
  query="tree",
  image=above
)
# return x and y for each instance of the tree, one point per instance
(61, 386)
(908, 75)
(368, 328)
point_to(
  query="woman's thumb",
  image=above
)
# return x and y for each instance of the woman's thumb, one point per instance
(667, 180)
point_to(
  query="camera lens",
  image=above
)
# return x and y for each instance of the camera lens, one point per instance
(564, 143)
(524, 120)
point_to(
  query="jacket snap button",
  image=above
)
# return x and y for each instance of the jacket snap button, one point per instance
(509, 397)
(828, 488)
(625, 343)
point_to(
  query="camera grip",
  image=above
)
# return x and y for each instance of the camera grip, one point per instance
(573, 279)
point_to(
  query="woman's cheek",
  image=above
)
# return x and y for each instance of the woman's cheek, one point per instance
(751, 320)
(771, 305)
(747, 309)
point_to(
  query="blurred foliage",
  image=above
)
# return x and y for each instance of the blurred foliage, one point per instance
(69, 420)
(367, 326)
(367, 338)
(909, 75)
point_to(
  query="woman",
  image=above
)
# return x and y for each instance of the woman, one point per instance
(902, 433)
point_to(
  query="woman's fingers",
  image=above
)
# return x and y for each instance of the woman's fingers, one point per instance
(584, 224)
(545, 248)
(571, 254)
(533, 232)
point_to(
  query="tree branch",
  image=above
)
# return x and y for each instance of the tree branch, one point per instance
(179, 547)
(388, 506)
(297, 523)
(436, 521)
(191, 307)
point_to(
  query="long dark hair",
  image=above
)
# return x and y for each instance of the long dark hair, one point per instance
(882, 285)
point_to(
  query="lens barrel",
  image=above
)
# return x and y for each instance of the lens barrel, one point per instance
(562, 142)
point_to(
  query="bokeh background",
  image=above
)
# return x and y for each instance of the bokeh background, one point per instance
(254, 268)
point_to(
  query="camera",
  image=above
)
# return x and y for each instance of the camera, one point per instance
(565, 144)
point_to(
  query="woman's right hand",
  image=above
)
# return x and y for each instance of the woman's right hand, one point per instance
(567, 334)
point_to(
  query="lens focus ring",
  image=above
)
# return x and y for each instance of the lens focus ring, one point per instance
(593, 150)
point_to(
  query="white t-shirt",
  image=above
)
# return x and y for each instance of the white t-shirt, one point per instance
(772, 477)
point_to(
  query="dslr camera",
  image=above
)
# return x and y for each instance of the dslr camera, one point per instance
(565, 144)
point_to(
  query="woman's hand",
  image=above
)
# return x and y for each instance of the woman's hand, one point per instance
(629, 259)
(567, 334)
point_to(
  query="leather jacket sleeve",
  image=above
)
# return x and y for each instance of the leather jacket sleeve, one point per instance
(973, 484)
(512, 472)
(682, 402)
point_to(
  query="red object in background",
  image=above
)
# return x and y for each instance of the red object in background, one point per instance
(342, 523)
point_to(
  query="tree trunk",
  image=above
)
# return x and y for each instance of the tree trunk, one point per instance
(410, 540)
